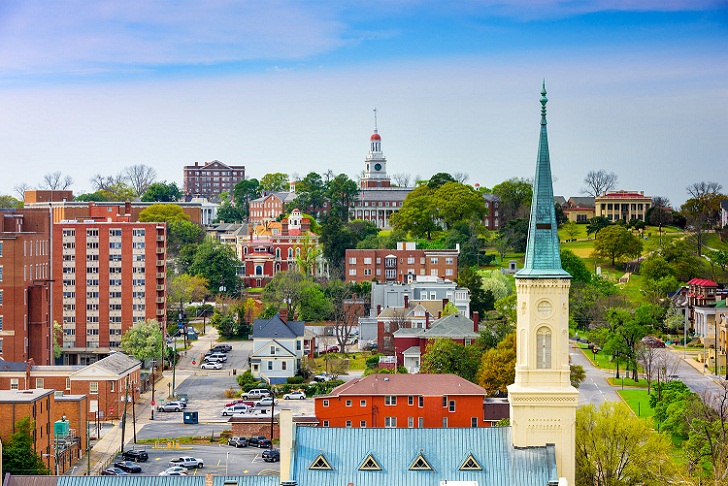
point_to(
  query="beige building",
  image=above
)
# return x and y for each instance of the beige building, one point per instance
(626, 205)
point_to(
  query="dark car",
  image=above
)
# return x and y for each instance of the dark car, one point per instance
(271, 455)
(222, 348)
(259, 441)
(332, 349)
(652, 342)
(113, 471)
(238, 442)
(135, 455)
(128, 466)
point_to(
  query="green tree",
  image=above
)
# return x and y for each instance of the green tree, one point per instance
(19, 456)
(622, 334)
(225, 324)
(311, 194)
(143, 340)
(498, 367)
(287, 289)
(515, 195)
(454, 202)
(596, 224)
(185, 288)
(182, 233)
(472, 280)
(229, 213)
(244, 192)
(9, 202)
(314, 305)
(516, 231)
(617, 243)
(615, 448)
(440, 179)
(682, 258)
(97, 196)
(719, 257)
(571, 229)
(162, 213)
(446, 356)
(577, 375)
(561, 217)
(416, 216)
(277, 181)
(336, 238)
(341, 192)
(497, 284)
(57, 340)
(118, 191)
(218, 264)
(655, 267)
(162, 192)
(575, 266)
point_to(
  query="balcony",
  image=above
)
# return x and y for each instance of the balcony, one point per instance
(160, 263)
(160, 251)
(160, 288)
(160, 300)
(160, 275)
(160, 238)
(160, 312)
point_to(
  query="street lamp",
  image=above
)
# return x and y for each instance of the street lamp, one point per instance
(227, 457)
(151, 373)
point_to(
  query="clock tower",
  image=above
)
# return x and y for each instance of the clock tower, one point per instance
(375, 168)
(542, 400)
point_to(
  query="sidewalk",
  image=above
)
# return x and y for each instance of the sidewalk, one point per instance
(106, 448)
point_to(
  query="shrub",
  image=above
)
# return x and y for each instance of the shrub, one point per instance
(230, 393)
(294, 380)
(402, 370)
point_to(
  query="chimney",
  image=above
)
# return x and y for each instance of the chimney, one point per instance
(127, 207)
(284, 315)
(444, 302)
(439, 314)
(476, 319)
(379, 309)
(406, 301)
(427, 320)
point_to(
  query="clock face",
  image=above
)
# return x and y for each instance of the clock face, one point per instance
(544, 309)
(377, 166)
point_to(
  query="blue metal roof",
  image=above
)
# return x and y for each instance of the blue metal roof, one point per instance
(134, 480)
(445, 450)
(543, 256)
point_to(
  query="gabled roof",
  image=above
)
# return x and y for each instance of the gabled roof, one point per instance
(445, 450)
(275, 328)
(582, 202)
(702, 282)
(405, 384)
(454, 326)
(560, 200)
(264, 350)
(114, 366)
(13, 366)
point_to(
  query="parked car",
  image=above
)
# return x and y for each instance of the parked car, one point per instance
(135, 455)
(188, 462)
(221, 348)
(235, 409)
(296, 395)
(265, 402)
(652, 342)
(171, 407)
(239, 401)
(271, 455)
(221, 357)
(113, 471)
(174, 471)
(128, 466)
(238, 441)
(331, 349)
(256, 393)
(259, 441)
(211, 365)
(321, 377)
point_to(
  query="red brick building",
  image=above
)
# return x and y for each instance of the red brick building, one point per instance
(211, 178)
(401, 265)
(25, 285)
(403, 401)
(269, 206)
(108, 275)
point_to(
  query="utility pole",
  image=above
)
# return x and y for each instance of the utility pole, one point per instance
(174, 364)
(272, 412)
(133, 411)
(151, 373)
(123, 416)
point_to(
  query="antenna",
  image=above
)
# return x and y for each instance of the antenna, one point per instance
(375, 120)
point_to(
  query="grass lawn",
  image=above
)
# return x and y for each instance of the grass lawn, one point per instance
(357, 361)
(639, 401)
(628, 382)
(600, 360)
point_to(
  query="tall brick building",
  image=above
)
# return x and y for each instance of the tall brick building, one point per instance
(401, 265)
(25, 285)
(212, 178)
(108, 275)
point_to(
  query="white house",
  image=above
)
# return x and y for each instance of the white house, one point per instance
(277, 347)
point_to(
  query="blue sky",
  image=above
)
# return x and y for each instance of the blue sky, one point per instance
(639, 88)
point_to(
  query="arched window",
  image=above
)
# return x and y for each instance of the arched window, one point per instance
(543, 350)
(259, 270)
(290, 253)
(278, 252)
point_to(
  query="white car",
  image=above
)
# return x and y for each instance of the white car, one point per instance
(296, 395)
(174, 471)
(186, 462)
(211, 365)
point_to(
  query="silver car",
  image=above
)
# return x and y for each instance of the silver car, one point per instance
(171, 407)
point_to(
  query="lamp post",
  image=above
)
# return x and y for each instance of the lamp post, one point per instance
(174, 364)
(204, 316)
(227, 457)
(151, 374)
(222, 290)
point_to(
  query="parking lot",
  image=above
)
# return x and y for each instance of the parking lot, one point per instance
(240, 461)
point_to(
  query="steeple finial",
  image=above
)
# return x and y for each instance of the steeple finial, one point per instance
(375, 121)
(544, 100)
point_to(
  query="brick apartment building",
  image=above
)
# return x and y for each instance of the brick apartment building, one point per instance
(269, 206)
(401, 265)
(211, 178)
(403, 401)
(108, 275)
(61, 426)
(25, 285)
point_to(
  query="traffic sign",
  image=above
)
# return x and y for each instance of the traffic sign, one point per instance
(194, 362)
(153, 403)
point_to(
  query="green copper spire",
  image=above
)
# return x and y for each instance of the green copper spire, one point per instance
(543, 256)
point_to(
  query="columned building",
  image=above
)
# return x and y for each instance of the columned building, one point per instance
(542, 401)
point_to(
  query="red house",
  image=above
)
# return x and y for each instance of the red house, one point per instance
(403, 401)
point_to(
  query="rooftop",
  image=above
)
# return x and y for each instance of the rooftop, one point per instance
(405, 384)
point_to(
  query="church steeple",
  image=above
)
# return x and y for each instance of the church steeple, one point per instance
(543, 257)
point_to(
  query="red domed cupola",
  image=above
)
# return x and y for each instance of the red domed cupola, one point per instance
(375, 136)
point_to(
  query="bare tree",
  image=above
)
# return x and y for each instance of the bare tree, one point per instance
(54, 181)
(140, 177)
(402, 179)
(397, 320)
(461, 177)
(661, 214)
(102, 183)
(699, 190)
(21, 188)
(649, 358)
(598, 182)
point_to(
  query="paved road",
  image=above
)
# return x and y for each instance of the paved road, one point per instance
(595, 389)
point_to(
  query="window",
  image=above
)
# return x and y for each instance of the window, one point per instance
(444, 401)
(348, 403)
(410, 400)
(68, 383)
(115, 245)
(93, 387)
(363, 424)
(362, 403)
(1, 323)
(326, 423)
(410, 422)
(1, 273)
(452, 405)
(270, 365)
(448, 261)
(470, 464)
(284, 365)
(444, 422)
(468, 341)
(390, 422)
(421, 402)
(39, 383)
(92, 233)
(352, 261)
(411, 260)
(115, 233)
(13, 383)
(326, 403)
(474, 422)
(352, 272)
(390, 400)
(543, 348)
(272, 350)
(368, 261)
(348, 424)
(138, 232)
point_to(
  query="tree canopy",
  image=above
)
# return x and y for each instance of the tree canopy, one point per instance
(498, 367)
(162, 192)
(162, 213)
(19, 456)
(277, 181)
(143, 340)
(217, 263)
(617, 243)
(446, 356)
